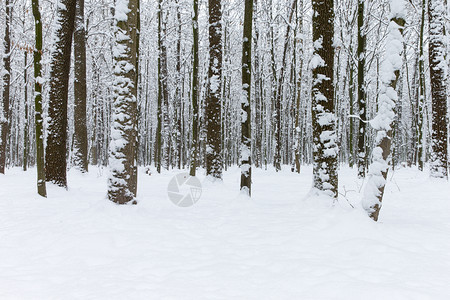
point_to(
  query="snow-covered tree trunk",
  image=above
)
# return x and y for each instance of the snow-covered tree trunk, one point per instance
(422, 89)
(80, 130)
(214, 97)
(246, 129)
(361, 56)
(325, 149)
(383, 122)
(438, 75)
(123, 159)
(55, 154)
(5, 113)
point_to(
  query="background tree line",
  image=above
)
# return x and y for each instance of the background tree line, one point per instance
(189, 83)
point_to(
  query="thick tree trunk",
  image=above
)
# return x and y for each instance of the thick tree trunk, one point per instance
(325, 150)
(214, 98)
(38, 81)
(80, 133)
(437, 52)
(55, 155)
(122, 182)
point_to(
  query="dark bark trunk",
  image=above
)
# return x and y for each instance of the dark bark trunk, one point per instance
(361, 56)
(40, 163)
(56, 151)
(195, 90)
(80, 133)
(325, 152)
(5, 114)
(214, 97)
(246, 130)
(25, 129)
(437, 52)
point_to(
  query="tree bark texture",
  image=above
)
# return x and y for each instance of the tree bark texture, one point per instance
(122, 182)
(246, 130)
(195, 90)
(56, 151)
(437, 52)
(4, 117)
(39, 132)
(361, 56)
(325, 149)
(214, 98)
(80, 133)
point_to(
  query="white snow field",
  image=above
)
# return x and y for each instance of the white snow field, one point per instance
(277, 245)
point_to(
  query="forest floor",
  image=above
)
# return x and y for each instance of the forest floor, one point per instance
(279, 244)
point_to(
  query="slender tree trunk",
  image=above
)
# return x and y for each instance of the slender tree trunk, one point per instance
(279, 94)
(55, 154)
(297, 132)
(80, 133)
(325, 153)
(351, 87)
(361, 56)
(437, 52)
(179, 93)
(95, 117)
(5, 116)
(422, 89)
(122, 181)
(258, 92)
(164, 77)
(135, 35)
(276, 104)
(246, 130)
(214, 98)
(158, 143)
(25, 129)
(195, 90)
(38, 81)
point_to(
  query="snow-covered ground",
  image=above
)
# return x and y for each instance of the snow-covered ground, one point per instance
(277, 245)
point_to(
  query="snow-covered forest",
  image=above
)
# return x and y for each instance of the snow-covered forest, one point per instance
(314, 135)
